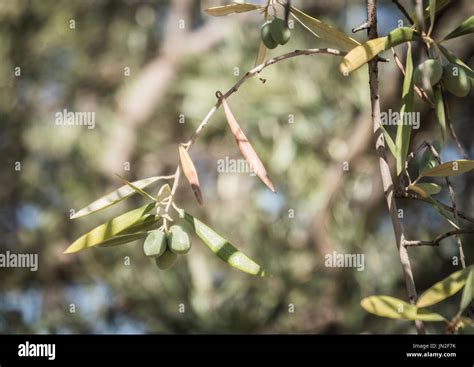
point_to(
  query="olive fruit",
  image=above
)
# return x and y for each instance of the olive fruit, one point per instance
(279, 31)
(456, 80)
(433, 69)
(266, 35)
(155, 243)
(166, 260)
(178, 240)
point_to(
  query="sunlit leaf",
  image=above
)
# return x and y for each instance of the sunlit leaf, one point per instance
(468, 292)
(190, 172)
(137, 189)
(443, 289)
(439, 109)
(425, 189)
(262, 51)
(246, 148)
(219, 11)
(222, 248)
(402, 141)
(123, 239)
(394, 308)
(324, 31)
(464, 28)
(114, 197)
(109, 229)
(452, 168)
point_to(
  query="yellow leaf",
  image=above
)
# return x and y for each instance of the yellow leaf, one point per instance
(425, 189)
(219, 11)
(444, 288)
(362, 54)
(394, 308)
(324, 31)
(452, 168)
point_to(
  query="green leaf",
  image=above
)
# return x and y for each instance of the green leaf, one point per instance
(428, 160)
(443, 212)
(468, 293)
(137, 189)
(452, 168)
(219, 11)
(425, 189)
(455, 60)
(394, 308)
(222, 248)
(324, 31)
(432, 10)
(464, 28)
(443, 289)
(123, 239)
(439, 109)
(114, 197)
(388, 139)
(402, 140)
(440, 4)
(106, 231)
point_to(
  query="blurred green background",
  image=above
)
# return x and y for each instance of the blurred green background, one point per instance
(130, 63)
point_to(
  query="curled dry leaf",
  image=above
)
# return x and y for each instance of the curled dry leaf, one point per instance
(190, 172)
(245, 147)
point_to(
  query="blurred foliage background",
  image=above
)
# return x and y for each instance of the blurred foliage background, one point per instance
(130, 63)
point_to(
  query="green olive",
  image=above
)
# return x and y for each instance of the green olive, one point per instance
(155, 243)
(266, 35)
(279, 31)
(433, 69)
(456, 80)
(166, 260)
(178, 240)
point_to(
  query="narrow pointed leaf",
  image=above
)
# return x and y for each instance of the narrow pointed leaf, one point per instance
(389, 141)
(464, 28)
(114, 197)
(404, 130)
(222, 248)
(109, 229)
(439, 5)
(123, 239)
(428, 160)
(439, 109)
(137, 189)
(444, 212)
(443, 289)
(456, 60)
(246, 148)
(394, 308)
(432, 10)
(452, 168)
(468, 292)
(262, 51)
(190, 172)
(219, 11)
(324, 31)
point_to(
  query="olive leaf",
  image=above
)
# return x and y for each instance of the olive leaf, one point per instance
(324, 31)
(468, 292)
(402, 140)
(432, 10)
(464, 28)
(123, 239)
(106, 231)
(388, 139)
(246, 148)
(190, 172)
(394, 308)
(222, 248)
(115, 197)
(445, 288)
(137, 189)
(218, 11)
(365, 52)
(456, 60)
(439, 5)
(443, 212)
(425, 189)
(439, 109)
(452, 168)
(262, 51)
(428, 160)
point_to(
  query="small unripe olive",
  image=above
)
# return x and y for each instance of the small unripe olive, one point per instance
(433, 69)
(155, 243)
(166, 260)
(178, 240)
(266, 35)
(279, 31)
(456, 80)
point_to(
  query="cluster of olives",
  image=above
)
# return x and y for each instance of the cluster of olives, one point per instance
(453, 76)
(275, 32)
(165, 247)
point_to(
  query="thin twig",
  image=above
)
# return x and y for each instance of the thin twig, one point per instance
(404, 11)
(387, 180)
(452, 196)
(461, 149)
(439, 238)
